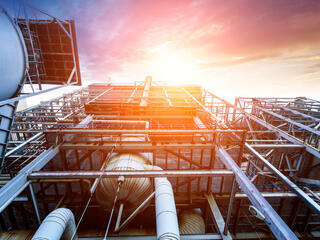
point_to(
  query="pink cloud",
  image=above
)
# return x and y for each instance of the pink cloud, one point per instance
(112, 33)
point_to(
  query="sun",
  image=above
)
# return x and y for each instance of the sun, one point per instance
(169, 63)
(170, 68)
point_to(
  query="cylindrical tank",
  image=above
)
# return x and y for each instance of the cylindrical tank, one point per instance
(13, 56)
(191, 222)
(133, 191)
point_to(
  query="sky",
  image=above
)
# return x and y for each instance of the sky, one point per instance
(245, 48)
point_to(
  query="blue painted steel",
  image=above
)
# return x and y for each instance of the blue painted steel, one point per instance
(12, 189)
(305, 197)
(278, 227)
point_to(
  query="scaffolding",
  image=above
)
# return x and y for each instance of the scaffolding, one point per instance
(232, 161)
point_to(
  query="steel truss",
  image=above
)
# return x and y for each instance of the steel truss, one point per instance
(270, 146)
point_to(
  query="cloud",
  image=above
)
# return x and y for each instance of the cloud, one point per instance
(113, 34)
(313, 69)
(238, 60)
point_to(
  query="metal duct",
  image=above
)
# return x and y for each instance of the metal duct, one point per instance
(166, 214)
(191, 222)
(167, 222)
(59, 224)
(133, 191)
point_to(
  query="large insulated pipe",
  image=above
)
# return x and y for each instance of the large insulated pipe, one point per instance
(135, 190)
(166, 214)
(59, 224)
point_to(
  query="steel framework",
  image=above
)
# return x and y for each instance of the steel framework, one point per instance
(220, 157)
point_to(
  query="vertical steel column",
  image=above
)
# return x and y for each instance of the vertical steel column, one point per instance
(232, 194)
(35, 204)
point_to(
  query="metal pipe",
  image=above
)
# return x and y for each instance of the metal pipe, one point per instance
(59, 224)
(119, 216)
(120, 181)
(131, 174)
(34, 137)
(135, 212)
(166, 214)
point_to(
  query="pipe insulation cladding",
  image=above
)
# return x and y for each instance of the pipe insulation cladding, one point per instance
(133, 191)
(59, 224)
(166, 213)
(13, 56)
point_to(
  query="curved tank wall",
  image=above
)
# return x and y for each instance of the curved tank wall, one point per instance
(191, 222)
(13, 57)
(133, 191)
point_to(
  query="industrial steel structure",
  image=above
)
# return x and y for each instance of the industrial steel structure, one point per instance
(145, 160)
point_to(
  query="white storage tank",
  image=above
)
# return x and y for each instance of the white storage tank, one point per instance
(13, 56)
(133, 191)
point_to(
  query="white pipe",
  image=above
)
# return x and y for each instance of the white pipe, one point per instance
(166, 214)
(59, 224)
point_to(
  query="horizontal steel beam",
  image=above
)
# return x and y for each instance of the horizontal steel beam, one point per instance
(137, 131)
(277, 146)
(182, 237)
(129, 174)
(136, 146)
(217, 196)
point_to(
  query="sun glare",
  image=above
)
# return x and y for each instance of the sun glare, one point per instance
(171, 68)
